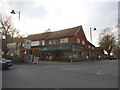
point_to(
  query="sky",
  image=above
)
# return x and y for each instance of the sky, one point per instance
(37, 16)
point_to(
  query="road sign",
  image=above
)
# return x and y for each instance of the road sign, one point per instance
(27, 44)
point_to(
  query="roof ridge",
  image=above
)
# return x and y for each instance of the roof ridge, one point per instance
(56, 31)
(57, 34)
(40, 33)
(67, 28)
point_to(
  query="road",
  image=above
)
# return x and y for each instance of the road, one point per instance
(97, 74)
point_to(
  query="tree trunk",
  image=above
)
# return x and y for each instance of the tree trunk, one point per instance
(6, 41)
(108, 54)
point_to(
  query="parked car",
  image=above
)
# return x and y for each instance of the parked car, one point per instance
(4, 63)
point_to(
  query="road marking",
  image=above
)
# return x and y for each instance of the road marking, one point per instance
(100, 71)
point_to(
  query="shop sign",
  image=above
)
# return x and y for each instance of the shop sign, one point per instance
(35, 43)
(11, 45)
(27, 44)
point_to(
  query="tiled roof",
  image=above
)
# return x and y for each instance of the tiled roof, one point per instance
(56, 34)
(40, 36)
(64, 33)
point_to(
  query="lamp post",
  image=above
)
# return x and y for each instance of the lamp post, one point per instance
(92, 53)
(91, 33)
(14, 12)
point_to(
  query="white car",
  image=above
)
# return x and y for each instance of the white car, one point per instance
(4, 63)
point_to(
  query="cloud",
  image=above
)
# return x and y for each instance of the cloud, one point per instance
(39, 15)
(29, 9)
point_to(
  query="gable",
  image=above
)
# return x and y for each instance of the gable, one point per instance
(81, 34)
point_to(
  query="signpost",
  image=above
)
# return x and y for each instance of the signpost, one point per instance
(27, 46)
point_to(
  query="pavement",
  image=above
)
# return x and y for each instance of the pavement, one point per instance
(75, 62)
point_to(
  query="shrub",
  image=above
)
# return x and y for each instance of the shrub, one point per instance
(17, 59)
(7, 57)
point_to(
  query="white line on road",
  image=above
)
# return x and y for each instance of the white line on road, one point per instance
(100, 71)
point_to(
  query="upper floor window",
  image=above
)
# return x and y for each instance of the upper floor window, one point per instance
(89, 46)
(92, 47)
(83, 42)
(43, 42)
(50, 42)
(78, 40)
(54, 41)
(63, 40)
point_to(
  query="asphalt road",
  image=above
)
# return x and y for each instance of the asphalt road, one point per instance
(97, 74)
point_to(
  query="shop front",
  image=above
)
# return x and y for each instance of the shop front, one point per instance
(64, 52)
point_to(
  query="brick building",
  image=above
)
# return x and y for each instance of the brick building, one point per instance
(63, 45)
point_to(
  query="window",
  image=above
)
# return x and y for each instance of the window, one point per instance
(63, 40)
(78, 40)
(50, 42)
(89, 46)
(83, 42)
(92, 47)
(43, 42)
(54, 41)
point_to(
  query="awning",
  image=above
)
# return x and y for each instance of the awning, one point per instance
(55, 48)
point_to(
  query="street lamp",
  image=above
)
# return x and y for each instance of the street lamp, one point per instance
(91, 33)
(14, 12)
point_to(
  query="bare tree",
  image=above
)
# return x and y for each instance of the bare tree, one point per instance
(107, 40)
(119, 32)
(7, 29)
(116, 51)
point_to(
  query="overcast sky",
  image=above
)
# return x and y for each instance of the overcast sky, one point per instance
(39, 15)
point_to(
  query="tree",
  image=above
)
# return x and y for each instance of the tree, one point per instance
(107, 40)
(116, 51)
(118, 32)
(8, 30)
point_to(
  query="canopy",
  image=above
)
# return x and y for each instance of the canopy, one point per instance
(55, 48)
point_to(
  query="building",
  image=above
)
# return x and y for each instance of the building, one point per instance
(0, 44)
(63, 45)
